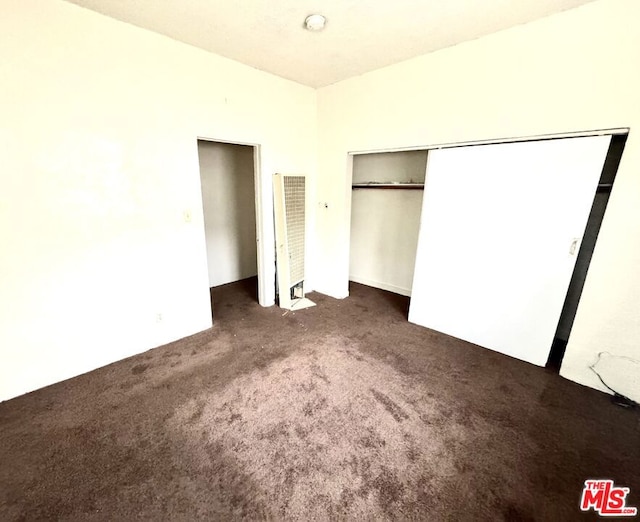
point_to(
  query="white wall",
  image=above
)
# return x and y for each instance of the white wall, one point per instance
(385, 223)
(384, 238)
(573, 71)
(229, 205)
(407, 166)
(99, 164)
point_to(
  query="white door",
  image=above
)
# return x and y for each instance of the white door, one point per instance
(500, 231)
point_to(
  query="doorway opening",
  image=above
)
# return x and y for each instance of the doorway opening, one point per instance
(228, 173)
(596, 215)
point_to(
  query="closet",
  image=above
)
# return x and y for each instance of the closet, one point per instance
(386, 202)
(492, 241)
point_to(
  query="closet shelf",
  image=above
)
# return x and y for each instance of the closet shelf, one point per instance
(404, 186)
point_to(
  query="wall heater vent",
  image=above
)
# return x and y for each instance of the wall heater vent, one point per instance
(289, 200)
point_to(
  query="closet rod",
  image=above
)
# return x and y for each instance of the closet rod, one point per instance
(396, 186)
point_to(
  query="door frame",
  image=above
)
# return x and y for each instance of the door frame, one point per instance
(535, 137)
(263, 273)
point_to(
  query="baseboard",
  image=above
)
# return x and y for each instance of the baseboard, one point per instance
(328, 292)
(382, 286)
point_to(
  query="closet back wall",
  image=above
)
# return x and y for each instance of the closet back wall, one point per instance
(385, 222)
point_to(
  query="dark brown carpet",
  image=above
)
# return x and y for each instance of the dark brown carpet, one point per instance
(342, 411)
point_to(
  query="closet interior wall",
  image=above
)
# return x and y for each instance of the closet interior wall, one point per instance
(385, 218)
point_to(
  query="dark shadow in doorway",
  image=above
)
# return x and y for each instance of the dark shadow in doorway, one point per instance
(601, 198)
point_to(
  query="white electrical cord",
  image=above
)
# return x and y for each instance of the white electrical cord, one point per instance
(628, 400)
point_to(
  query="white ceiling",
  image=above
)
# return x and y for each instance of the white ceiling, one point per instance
(360, 36)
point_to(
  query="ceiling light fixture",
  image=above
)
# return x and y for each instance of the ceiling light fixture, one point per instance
(315, 22)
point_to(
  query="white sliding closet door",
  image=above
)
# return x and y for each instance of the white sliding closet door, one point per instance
(500, 231)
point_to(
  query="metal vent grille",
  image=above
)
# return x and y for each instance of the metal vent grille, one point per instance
(294, 202)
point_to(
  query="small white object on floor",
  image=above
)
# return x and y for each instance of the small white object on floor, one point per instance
(299, 304)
